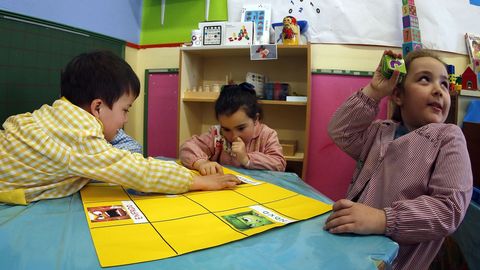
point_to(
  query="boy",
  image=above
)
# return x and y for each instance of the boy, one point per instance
(56, 150)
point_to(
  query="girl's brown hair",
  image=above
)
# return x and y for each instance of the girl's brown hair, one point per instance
(397, 116)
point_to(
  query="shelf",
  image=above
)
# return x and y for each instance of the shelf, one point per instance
(213, 65)
(297, 157)
(470, 93)
(282, 50)
(261, 101)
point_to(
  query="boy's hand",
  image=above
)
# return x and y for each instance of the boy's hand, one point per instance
(380, 86)
(214, 182)
(238, 148)
(206, 167)
(351, 217)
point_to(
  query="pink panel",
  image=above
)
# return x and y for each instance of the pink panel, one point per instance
(162, 115)
(329, 169)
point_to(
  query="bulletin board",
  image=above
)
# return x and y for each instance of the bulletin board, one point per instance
(131, 227)
(33, 53)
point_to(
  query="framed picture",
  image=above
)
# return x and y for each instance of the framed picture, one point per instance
(212, 33)
(263, 52)
(261, 16)
(238, 33)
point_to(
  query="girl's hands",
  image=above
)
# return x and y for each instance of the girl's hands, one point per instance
(351, 217)
(214, 182)
(238, 148)
(206, 167)
(380, 86)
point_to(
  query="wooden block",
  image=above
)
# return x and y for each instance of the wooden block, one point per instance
(389, 64)
(409, 10)
(410, 21)
(289, 147)
(410, 46)
(411, 34)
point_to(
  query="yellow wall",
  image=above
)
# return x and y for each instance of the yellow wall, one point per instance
(141, 60)
(324, 56)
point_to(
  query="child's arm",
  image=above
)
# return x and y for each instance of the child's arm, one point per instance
(206, 167)
(214, 182)
(440, 212)
(351, 217)
(198, 149)
(350, 126)
(270, 157)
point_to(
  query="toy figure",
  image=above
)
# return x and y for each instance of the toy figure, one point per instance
(290, 31)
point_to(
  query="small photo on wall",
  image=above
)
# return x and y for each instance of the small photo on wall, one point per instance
(263, 52)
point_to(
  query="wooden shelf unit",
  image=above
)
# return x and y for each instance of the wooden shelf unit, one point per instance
(200, 66)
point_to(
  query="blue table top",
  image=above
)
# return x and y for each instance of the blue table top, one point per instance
(53, 234)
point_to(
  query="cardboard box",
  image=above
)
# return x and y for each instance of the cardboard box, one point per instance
(289, 147)
(213, 33)
(238, 33)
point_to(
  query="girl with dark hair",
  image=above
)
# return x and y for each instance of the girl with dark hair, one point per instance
(240, 140)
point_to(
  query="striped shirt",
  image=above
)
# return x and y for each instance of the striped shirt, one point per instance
(125, 142)
(422, 180)
(55, 151)
(264, 150)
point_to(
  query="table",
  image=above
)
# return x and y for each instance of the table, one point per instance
(53, 234)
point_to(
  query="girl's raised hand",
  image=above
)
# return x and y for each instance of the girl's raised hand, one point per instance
(380, 86)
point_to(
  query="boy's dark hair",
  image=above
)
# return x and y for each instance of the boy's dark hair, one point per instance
(408, 60)
(233, 97)
(98, 74)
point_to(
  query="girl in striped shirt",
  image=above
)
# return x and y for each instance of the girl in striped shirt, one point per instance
(413, 180)
(240, 140)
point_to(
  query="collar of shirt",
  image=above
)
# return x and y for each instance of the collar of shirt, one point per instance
(400, 131)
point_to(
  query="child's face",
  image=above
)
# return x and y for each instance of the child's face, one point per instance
(113, 119)
(426, 97)
(237, 125)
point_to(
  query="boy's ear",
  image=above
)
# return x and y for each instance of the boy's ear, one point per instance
(95, 106)
(397, 96)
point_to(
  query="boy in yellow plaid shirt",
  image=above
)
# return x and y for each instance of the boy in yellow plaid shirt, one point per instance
(56, 150)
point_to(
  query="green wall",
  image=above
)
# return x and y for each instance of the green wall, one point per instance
(181, 16)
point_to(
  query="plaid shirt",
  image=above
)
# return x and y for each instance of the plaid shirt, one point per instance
(125, 142)
(54, 151)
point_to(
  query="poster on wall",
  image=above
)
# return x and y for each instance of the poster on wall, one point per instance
(375, 22)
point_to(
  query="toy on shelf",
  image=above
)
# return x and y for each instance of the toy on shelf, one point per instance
(290, 31)
(451, 78)
(278, 29)
(469, 80)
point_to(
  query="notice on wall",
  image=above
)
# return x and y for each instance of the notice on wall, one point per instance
(443, 23)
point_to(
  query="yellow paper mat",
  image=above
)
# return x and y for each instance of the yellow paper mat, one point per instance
(146, 227)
